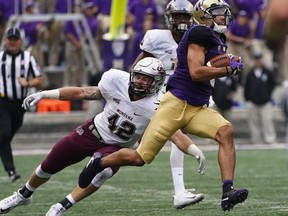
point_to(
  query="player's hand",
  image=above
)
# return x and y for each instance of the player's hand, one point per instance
(32, 99)
(202, 162)
(198, 154)
(236, 64)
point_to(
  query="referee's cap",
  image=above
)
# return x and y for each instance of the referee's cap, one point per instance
(13, 32)
(257, 55)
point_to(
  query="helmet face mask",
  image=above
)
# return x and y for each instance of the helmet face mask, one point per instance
(147, 77)
(213, 13)
(140, 87)
(178, 16)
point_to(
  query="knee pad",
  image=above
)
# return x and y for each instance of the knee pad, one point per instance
(40, 173)
(101, 177)
(90, 170)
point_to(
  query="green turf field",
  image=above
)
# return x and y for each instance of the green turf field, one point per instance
(148, 190)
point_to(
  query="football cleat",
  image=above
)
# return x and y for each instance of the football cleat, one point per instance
(232, 198)
(56, 210)
(13, 176)
(13, 201)
(186, 198)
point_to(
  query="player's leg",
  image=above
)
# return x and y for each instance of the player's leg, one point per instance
(267, 124)
(253, 120)
(182, 197)
(74, 150)
(79, 193)
(210, 124)
(177, 163)
(24, 195)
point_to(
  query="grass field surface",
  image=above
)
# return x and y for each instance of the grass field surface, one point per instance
(148, 191)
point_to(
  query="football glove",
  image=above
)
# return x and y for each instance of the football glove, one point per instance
(32, 99)
(198, 154)
(201, 161)
(236, 65)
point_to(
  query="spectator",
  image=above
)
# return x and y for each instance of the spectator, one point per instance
(138, 11)
(19, 72)
(285, 112)
(135, 51)
(7, 9)
(75, 74)
(251, 7)
(223, 95)
(103, 14)
(258, 90)
(239, 39)
(258, 42)
(54, 36)
(46, 7)
(33, 33)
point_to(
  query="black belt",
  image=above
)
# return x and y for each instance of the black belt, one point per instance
(95, 132)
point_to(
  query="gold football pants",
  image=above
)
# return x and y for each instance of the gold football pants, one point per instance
(173, 114)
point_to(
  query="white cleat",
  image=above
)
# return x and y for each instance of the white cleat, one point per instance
(186, 198)
(13, 201)
(56, 210)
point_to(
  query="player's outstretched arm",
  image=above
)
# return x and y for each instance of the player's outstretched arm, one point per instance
(65, 93)
(185, 144)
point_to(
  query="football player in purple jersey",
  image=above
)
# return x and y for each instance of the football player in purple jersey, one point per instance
(162, 44)
(185, 105)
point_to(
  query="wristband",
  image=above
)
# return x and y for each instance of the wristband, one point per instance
(52, 94)
(193, 150)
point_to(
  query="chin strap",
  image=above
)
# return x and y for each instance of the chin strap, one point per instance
(219, 28)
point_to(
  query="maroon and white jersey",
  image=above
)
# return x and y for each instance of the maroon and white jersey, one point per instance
(123, 121)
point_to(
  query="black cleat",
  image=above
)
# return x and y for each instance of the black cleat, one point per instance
(13, 175)
(232, 198)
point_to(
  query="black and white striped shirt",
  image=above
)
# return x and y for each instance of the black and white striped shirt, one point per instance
(13, 67)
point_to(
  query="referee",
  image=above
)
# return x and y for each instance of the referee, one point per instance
(18, 72)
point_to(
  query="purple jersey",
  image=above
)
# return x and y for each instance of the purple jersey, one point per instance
(64, 6)
(240, 30)
(259, 31)
(104, 6)
(30, 31)
(180, 83)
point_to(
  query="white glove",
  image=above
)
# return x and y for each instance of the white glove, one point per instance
(198, 154)
(202, 162)
(32, 99)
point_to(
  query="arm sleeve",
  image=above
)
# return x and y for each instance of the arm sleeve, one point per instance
(201, 35)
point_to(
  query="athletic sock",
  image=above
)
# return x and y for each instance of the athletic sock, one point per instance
(25, 192)
(227, 186)
(66, 203)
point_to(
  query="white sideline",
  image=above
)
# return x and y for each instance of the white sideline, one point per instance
(168, 147)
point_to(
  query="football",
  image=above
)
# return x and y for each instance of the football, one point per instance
(222, 60)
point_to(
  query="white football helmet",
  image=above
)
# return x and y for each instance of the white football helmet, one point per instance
(205, 12)
(151, 67)
(177, 7)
